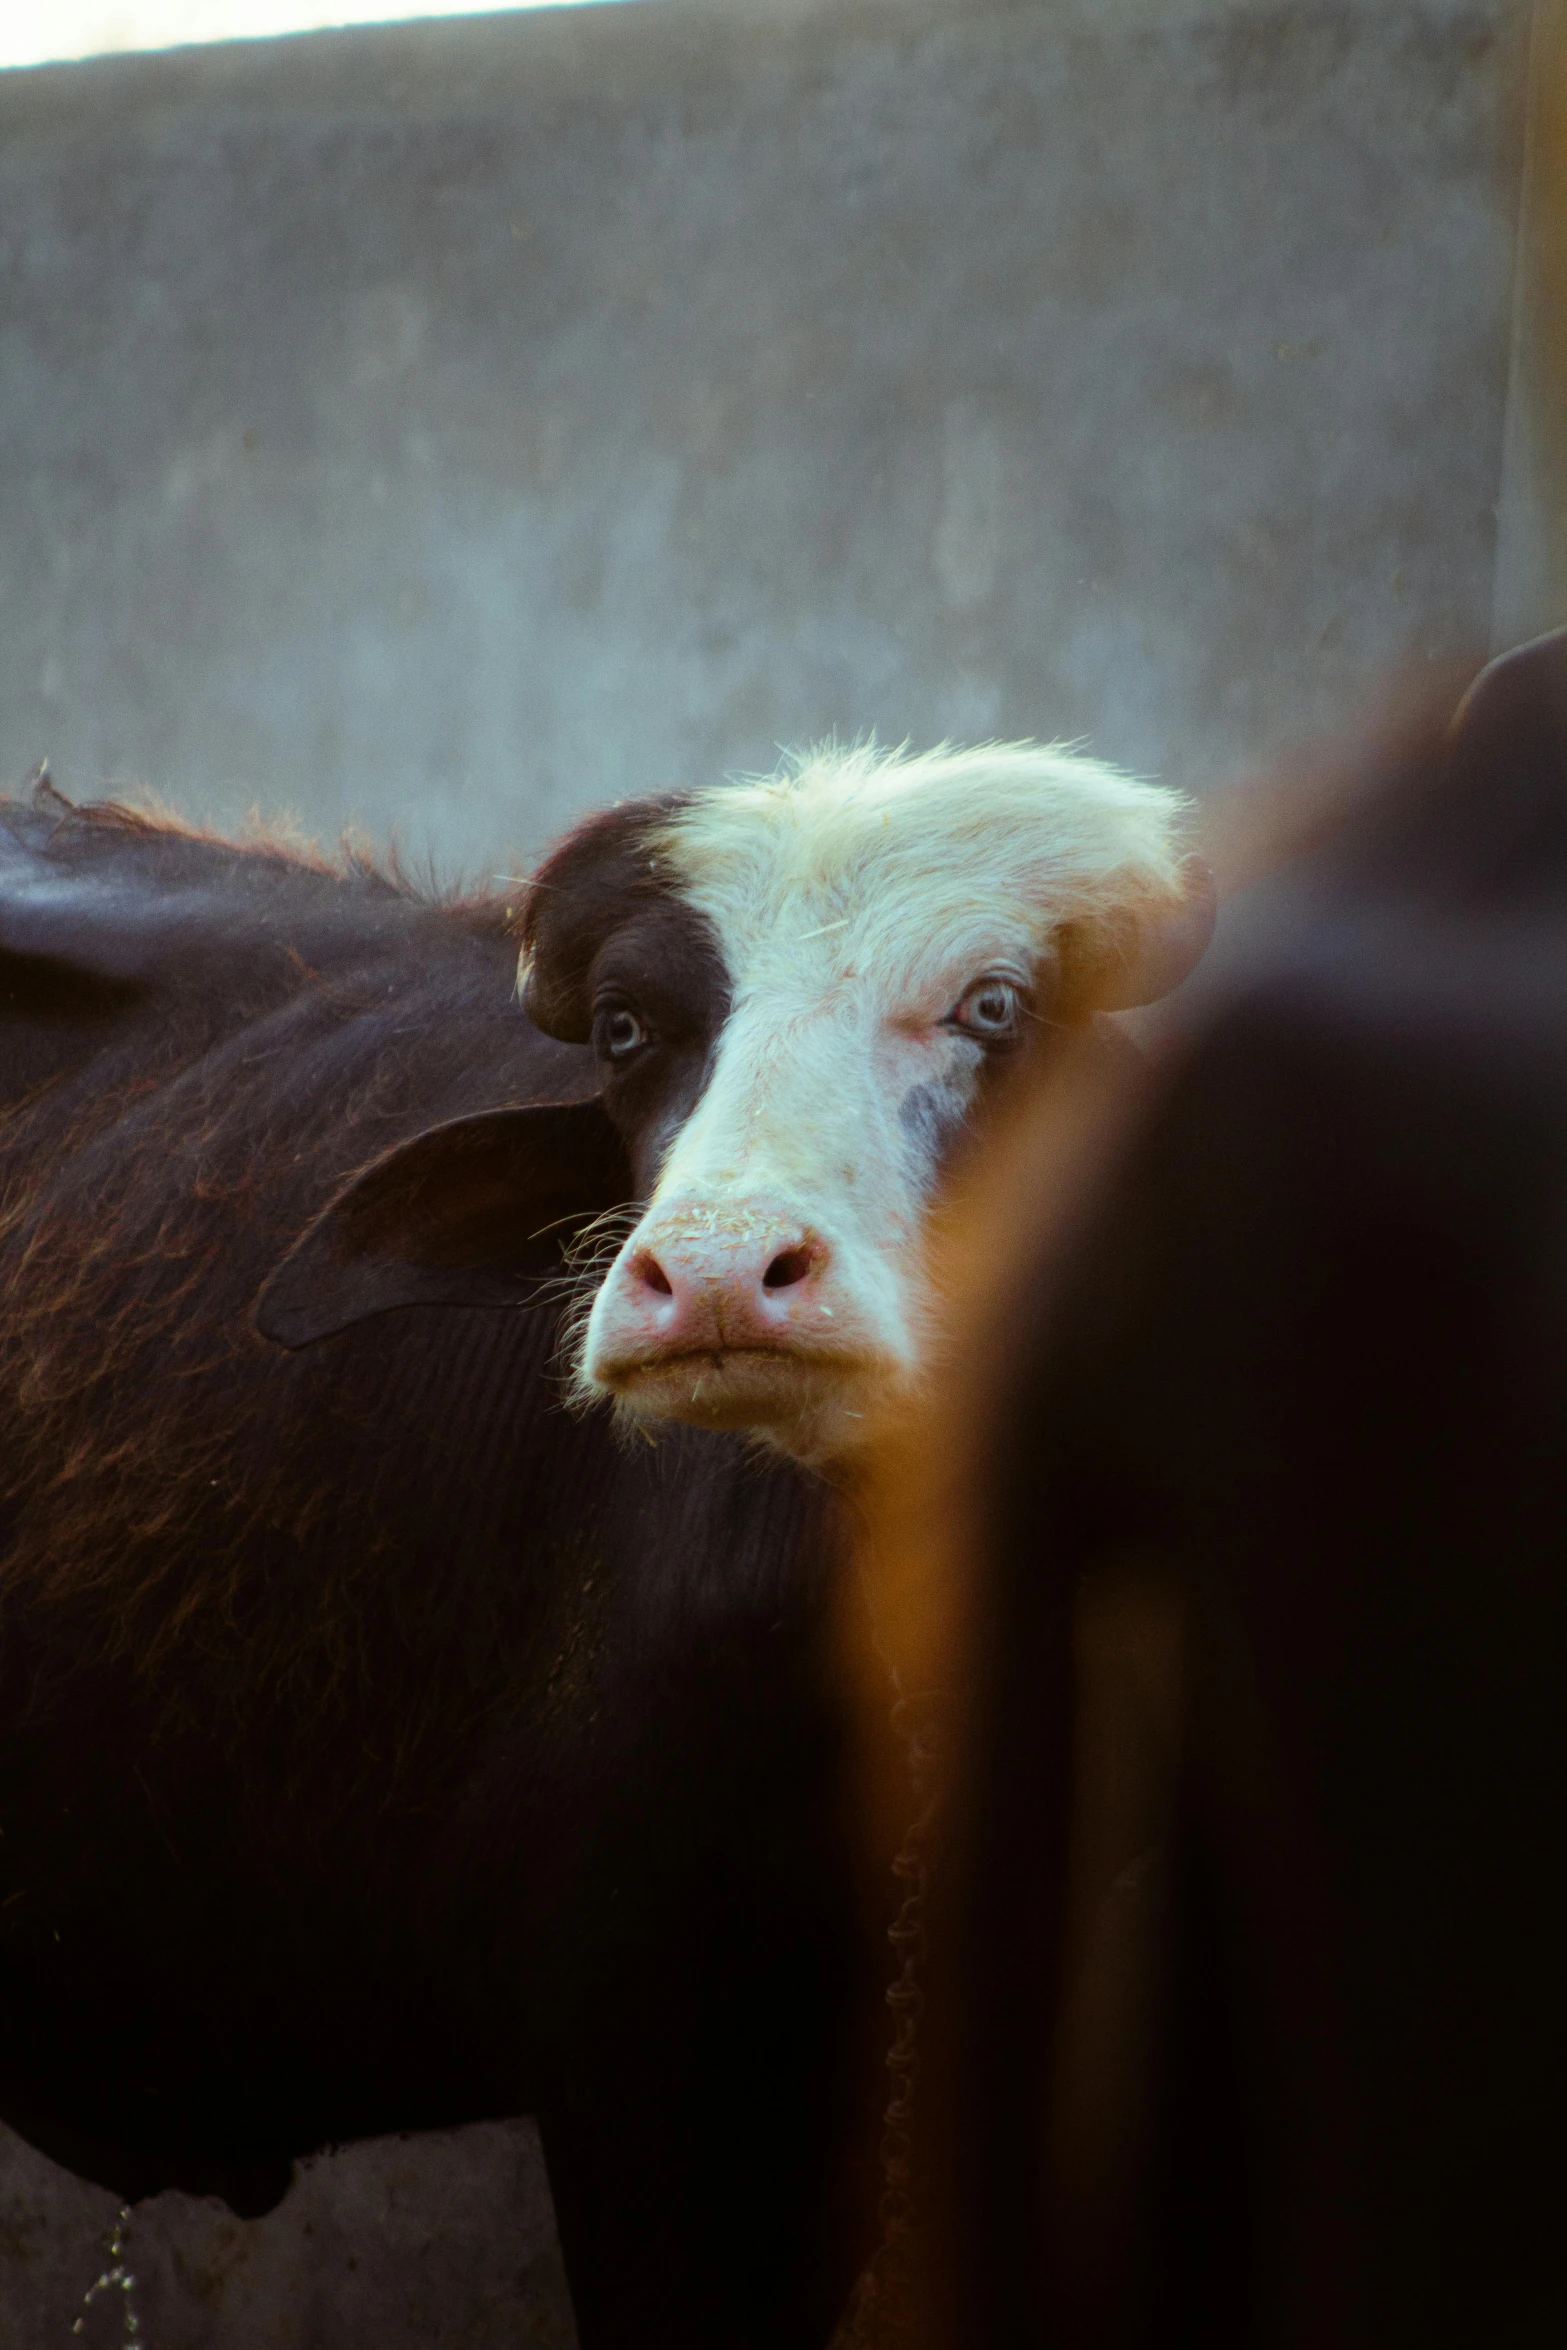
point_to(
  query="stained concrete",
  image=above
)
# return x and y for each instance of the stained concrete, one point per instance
(457, 426)
(461, 425)
(440, 2242)
(1531, 554)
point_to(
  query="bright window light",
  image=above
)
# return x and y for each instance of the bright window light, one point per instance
(44, 32)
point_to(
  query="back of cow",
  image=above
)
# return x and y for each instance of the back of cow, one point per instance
(1241, 1559)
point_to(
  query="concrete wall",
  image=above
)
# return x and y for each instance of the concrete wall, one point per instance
(1531, 556)
(456, 427)
(461, 425)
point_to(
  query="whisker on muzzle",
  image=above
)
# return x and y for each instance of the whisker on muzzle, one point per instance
(586, 1262)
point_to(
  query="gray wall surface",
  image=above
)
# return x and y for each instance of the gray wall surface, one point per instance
(462, 425)
(458, 426)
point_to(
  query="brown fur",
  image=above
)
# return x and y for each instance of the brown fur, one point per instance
(129, 1372)
(380, 1745)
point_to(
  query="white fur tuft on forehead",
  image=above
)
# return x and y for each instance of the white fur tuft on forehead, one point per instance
(1019, 837)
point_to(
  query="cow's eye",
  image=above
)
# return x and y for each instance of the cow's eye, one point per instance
(620, 1034)
(991, 1011)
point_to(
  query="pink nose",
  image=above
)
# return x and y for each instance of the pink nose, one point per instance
(678, 1291)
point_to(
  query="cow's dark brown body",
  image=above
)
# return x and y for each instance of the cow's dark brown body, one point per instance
(1252, 2017)
(380, 1745)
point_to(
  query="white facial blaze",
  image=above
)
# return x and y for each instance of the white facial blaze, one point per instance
(776, 1280)
(802, 1117)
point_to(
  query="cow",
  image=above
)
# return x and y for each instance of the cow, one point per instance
(434, 1338)
(1235, 1534)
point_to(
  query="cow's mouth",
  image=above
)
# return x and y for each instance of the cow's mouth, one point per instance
(805, 1400)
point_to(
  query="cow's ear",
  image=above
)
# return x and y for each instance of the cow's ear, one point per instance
(1141, 955)
(477, 1212)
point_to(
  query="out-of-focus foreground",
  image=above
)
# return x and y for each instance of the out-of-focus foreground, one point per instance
(1229, 1559)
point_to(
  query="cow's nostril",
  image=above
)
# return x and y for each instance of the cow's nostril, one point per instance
(651, 1274)
(787, 1269)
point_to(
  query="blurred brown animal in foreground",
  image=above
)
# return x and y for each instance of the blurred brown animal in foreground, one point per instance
(1234, 1540)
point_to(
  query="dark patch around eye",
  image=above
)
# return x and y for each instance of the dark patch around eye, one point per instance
(601, 878)
(665, 969)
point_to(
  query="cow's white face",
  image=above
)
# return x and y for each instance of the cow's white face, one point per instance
(796, 989)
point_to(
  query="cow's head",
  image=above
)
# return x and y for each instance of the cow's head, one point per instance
(796, 992)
